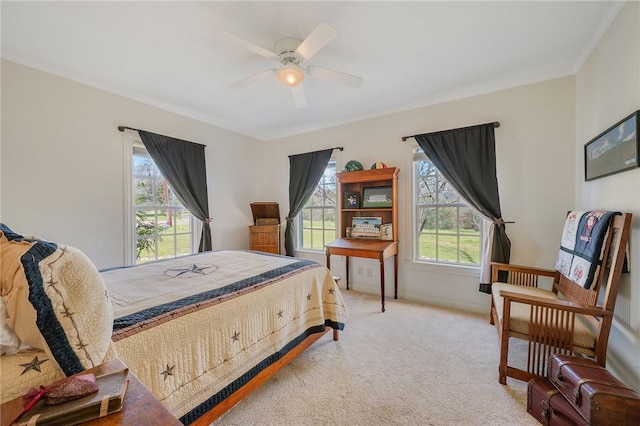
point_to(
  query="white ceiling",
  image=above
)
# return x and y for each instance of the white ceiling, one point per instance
(411, 54)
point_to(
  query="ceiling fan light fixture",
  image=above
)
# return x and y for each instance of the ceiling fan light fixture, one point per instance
(291, 75)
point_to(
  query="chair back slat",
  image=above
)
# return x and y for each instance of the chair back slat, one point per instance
(550, 332)
(523, 278)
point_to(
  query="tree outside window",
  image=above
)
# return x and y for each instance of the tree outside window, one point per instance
(317, 220)
(447, 229)
(163, 226)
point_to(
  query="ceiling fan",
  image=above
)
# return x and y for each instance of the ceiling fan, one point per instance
(292, 54)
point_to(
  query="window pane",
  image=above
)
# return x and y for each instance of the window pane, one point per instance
(448, 195)
(447, 219)
(184, 244)
(447, 229)
(427, 246)
(143, 191)
(330, 195)
(171, 197)
(166, 247)
(470, 248)
(427, 190)
(470, 221)
(317, 220)
(143, 166)
(448, 248)
(182, 221)
(163, 231)
(329, 217)
(317, 240)
(329, 235)
(426, 219)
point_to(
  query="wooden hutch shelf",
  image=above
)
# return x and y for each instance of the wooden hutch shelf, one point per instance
(356, 182)
(371, 248)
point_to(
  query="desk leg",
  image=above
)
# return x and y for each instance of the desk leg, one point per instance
(382, 281)
(328, 261)
(347, 270)
(395, 276)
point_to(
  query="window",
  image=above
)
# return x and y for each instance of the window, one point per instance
(163, 227)
(317, 221)
(447, 230)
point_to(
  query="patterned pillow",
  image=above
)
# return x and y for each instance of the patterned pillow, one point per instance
(56, 300)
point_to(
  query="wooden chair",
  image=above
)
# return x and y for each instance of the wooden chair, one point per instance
(568, 319)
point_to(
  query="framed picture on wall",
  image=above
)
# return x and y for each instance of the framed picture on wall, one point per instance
(614, 150)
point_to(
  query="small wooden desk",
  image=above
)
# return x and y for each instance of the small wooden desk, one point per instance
(370, 249)
(140, 407)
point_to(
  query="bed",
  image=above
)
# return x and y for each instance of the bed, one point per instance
(198, 331)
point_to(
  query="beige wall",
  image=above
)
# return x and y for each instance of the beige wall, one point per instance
(62, 164)
(536, 163)
(607, 90)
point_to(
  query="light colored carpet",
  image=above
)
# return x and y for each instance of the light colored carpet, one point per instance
(412, 365)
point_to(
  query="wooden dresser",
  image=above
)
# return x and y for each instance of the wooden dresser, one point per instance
(264, 234)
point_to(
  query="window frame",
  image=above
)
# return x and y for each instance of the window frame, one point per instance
(132, 143)
(418, 155)
(300, 218)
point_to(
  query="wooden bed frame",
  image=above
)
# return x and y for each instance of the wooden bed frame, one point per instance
(217, 411)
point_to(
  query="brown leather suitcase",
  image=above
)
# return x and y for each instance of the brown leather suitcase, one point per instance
(600, 397)
(548, 405)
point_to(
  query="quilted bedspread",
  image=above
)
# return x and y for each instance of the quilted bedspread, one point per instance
(195, 329)
(192, 329)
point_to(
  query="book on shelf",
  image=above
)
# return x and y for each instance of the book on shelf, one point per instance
(109, 398)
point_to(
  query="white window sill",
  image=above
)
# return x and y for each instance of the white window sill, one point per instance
(441, 268)
(311, 252)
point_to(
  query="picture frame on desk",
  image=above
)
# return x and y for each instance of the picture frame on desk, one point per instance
(377, 197)
(366, 227)
(351, 200)
(386, 232)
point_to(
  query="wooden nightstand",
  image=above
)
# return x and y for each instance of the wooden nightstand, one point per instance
(140, 407)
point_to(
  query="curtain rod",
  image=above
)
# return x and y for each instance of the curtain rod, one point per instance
(495, 124)
(335, 147)
(123, 128)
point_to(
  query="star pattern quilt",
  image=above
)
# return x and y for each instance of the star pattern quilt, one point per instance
(192, 329)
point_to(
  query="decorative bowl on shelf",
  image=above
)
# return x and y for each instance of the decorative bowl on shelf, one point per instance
(353, 166)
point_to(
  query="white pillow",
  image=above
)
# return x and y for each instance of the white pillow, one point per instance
(9, 340)
(55, 300)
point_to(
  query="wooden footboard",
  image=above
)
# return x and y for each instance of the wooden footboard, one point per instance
(260, 378)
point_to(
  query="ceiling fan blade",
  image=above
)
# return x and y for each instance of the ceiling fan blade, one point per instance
(335, 76)
(246, 44)
(299, 97)
(319, 38)
(262, 75)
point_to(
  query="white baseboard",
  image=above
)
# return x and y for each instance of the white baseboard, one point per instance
(371, 288)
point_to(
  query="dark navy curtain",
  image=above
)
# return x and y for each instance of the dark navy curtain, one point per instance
(182, 163)
(305, 171)
(466, 157)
